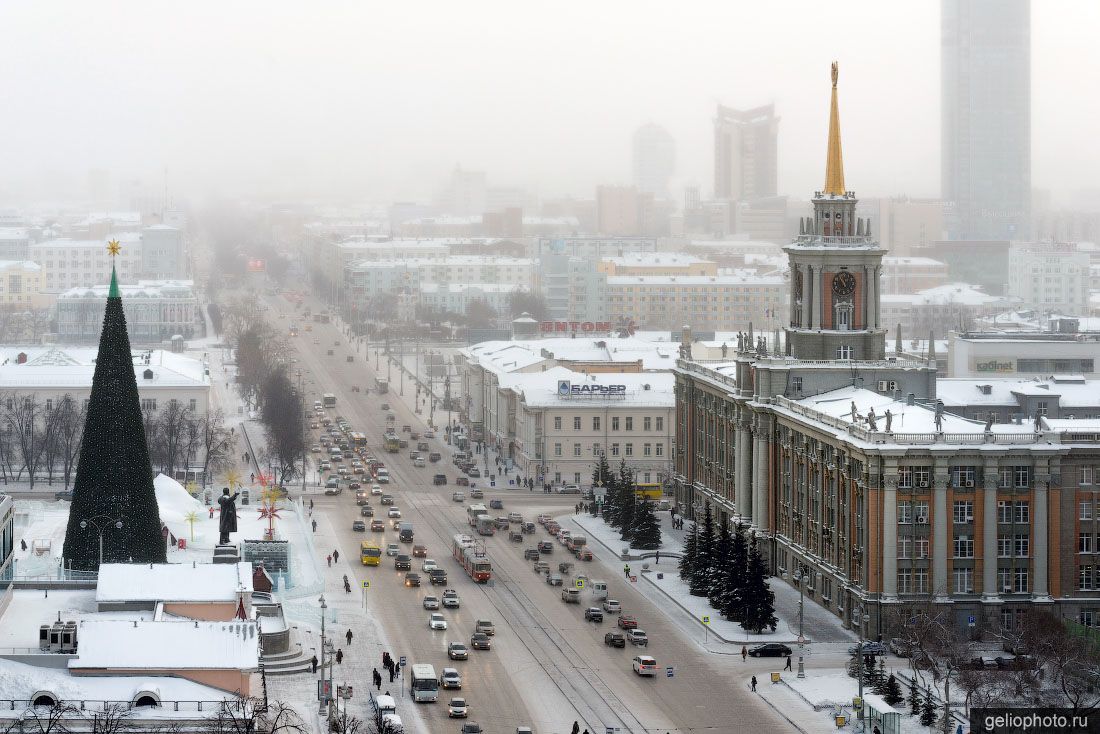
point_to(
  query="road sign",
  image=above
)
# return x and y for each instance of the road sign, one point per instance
(706, 619)
(402, 661)
(669, 671)
(579, 583)
(366, 584)
(970, 620)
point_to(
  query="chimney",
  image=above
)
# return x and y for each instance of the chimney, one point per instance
(911, 399)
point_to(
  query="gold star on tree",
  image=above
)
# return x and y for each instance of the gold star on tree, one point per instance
(113, 247)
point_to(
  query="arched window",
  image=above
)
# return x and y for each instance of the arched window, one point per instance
(844, 316)
(44, 698)
(146, 699)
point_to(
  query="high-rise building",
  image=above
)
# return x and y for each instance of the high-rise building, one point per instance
(986, 105)
(654, 159)
(745, 153)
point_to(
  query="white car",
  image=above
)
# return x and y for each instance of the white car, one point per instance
(429, 565)
(394, 512)
(376, 489)
(450, 678)
(392, 549)
(431, 602)
(437, 622)
(612, 606)
(645, 665)
(456, 709)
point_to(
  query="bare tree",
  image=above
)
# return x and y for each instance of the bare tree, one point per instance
(23, 416)
(219, 444)
(112, 719)
(939, 648)
(252, 716)
(284, 420)
(52, 719)
(1072, 661)
(69, 431)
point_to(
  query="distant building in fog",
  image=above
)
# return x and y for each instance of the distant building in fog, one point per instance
(624, 211)
(745, 153)
(986, 129)
(654, 160)
(464, 194)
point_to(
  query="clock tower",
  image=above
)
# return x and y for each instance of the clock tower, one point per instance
(835, 268)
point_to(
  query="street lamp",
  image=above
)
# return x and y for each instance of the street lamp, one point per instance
(321, 693)
(863, 619)
(803, 576)
(100, 528)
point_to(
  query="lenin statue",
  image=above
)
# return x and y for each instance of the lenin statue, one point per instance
(227, 523)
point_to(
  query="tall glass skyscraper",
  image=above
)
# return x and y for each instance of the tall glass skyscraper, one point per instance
(986, 89)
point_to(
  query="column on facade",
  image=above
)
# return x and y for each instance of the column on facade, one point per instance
(877, 272)
(890, 530)
(865, 317)
(941, 516)
(1039, 543)
(989, 534)
(743, 480)
(811, 318)
(760, 478)
(795, 270)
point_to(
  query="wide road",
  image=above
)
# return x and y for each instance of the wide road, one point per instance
(548, 667)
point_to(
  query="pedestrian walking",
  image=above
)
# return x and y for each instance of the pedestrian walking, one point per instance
(377, 680)
(753, 684)
(656, 558)
(391, 674)
(576, 728)
(349, 636)
(340, 656)
(311, 505)
(386, 660)
(336, 556)
(23, 542)
(626, 571)
(313, 662)
(329, 559)
(315, 526)
(788, 665)
(744, 653)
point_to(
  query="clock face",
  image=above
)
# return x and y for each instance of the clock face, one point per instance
(844, 283)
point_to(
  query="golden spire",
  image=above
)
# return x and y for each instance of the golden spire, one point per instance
(834, 160)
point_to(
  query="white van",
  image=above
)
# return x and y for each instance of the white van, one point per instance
(599, 590)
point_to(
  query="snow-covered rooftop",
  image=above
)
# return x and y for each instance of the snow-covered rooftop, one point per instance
(648, 259)
(954, 293)
(73, 367)
(173, 582)
(164, 645)
(741, 277)
(643, 390)
(20, 264)
(509, 356)
(22, 682)
(1073, 390)
(141, 290)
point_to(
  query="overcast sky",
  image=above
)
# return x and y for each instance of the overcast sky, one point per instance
(373, 100)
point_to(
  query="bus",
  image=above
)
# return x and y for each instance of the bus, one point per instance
(369, 553)
(358, 440)
(424, 683)
(392, 443)
(382, 386)
(649, 490)
(328, 400)
(483, 524)
(294, 329)
(472, 558)
(473, 511)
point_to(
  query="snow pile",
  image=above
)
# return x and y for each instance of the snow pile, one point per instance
(20, 681)
(175, 504)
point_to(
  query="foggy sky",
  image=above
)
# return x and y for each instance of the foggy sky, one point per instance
(370, 100)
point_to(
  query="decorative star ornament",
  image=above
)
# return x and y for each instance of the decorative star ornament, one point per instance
(113, 247)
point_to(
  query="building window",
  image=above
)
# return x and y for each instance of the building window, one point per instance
(194, 405)
(647, 449)
(1087, 617)
(615, 423)
(647, 424)
(844, 351)
(964, 580)
(921, 546)
(1004, 546)
(149, 404)
(557, 423)
(920, 580)
(660, 449)
(1008, 512)
(1085, 512)
(576, 449)
(905, 581)
(660, 423)
(557, 477)
(963, 512)
(1020, 580)
(905, 477)
(595, 423)
(1086, 578)
(922, 477)
(576, 477)
(796, 384)
(1041, 407)
(905, 513)
(964, 547)
(1023, 512)
(614, 449)
(905, 547)
(1022, 476)
(1023, 545)
(557, 449)
(629, 423)
(597, 450)
(630, 449)
(576, 423)
(1084, 475)
(1004, 580)
(963, 477)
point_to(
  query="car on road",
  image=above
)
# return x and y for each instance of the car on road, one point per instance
(357, 485)
(450, 599)
(473, 472)
(450, 678)
(637, 637)
(387, 499)
(593, 614)
(457, 651)
(315, 449)
(392, 549)
(546, 546)
(394, 512)
(644, 665)
(65, 494)
(376, 489)
(359, 526)
(431, 602)
(571, 596)
(528, 527)
(530, 554)
(515, 517)
(332, 488)
(456, 707)
(439, 479)
(419, 462)
(870, 648)
(434, 456)
(377, 526)
(627, 621)
(496, 504)
(366, 511)
(385, 406)
(395, 523)
(402, 562)
(412, 579)
(420, 551)
(437, 577)
(584, 555)
(515, 536)
(485, 626)
(770, 650)
(480, 641)
(428, 565)
(612, 606)
(500, 523)
(471, 729)
(458, 496)
(554, 579)
(614, 639)
(540, 566)
(436, 621)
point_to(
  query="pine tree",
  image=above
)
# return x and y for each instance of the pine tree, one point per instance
(928, 710)
(876, 675)
(627, 502)
(687, 560)
(601, 478)
(892, 693)
(719, 575)
(759, 599)
(647, 531)
(613, 501)
(914, 698)
(704, 550)
(734, 595)
(853, 665)
(114, 479)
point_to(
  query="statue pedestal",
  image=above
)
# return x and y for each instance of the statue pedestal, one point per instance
(227, 554)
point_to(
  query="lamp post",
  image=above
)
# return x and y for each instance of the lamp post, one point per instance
(302, 398)
(100, 528)
(321, 693)
(802, 577)
(863, 619)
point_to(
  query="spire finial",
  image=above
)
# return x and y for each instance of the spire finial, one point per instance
(113, 248)
(834, 160)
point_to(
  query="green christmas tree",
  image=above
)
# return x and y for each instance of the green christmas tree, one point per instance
(928, 710)
(759, 599)
(114, 479)
(601, 478)
(914, 697)
(704, 549)
(719, 573)
(647, 531)
(628, 504)
(892, 694)
(733, 578)
(687, 560)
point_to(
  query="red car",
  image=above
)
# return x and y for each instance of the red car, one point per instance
(628, 622)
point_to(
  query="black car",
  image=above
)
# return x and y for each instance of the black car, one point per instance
(770, 650)
(546, 547)
(412, 579)
(496, 504)
(359, 526)
(614, 639)
(437, 577)
(593, 614)
(439, 479)
(366, 511)
(531, 554)
(402, 562)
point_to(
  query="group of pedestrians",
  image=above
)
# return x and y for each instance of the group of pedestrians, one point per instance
(391, 667)
(332, 558)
